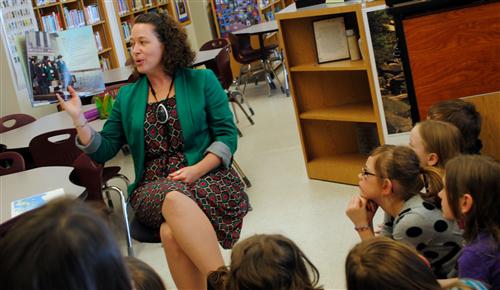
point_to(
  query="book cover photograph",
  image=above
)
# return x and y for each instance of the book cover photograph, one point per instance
(61, 59)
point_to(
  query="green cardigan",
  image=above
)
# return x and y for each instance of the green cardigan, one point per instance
(204, 114)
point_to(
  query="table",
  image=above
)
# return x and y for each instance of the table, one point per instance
(121, 74)
(34, 181)
(21, 137)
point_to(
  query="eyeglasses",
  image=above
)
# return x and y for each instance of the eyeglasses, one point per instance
(161, 114)
(365, 172)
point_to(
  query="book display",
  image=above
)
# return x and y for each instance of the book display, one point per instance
(62, 59)
(59, 15)
(335, 102)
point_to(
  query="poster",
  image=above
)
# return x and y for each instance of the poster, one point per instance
(234, 15)
(390, 81)
(16, 17)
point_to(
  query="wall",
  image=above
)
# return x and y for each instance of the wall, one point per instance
(201, 22)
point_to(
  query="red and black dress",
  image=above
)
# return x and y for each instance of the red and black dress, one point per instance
(220, 193)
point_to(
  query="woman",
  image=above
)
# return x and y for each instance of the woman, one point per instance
(182, 136)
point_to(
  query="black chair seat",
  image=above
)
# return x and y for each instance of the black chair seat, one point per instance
(143, 233)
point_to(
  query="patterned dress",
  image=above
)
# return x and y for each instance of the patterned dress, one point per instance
(219, 193)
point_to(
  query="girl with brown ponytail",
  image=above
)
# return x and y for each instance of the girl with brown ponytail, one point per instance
(393, 179)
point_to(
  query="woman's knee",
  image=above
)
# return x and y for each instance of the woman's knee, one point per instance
(174, 202)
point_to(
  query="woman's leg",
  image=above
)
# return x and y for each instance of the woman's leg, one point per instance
(193, 234)
(185, 274)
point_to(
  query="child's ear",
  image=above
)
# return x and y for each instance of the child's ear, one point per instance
(466, 203)
(386, 186)
(432, 159)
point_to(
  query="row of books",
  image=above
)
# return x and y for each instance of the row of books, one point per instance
(136, 4)
(92, 13)
(126, 30)
(74, 18)
(52, 22)
(122, 7)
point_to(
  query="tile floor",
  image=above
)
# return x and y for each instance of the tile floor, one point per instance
(284, 200)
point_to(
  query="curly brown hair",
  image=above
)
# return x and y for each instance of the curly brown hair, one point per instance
(177, 53)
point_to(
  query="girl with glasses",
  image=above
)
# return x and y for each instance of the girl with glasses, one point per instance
(393, 179)
(182, 137)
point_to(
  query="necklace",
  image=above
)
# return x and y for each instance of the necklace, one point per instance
(161, 110)
(153, 92)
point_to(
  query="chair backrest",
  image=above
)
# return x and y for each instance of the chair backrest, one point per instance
(19, 121)
(88, 173)
(11, 162)
(214, 43)
(239, 44)
(49, 149)
(225, 74)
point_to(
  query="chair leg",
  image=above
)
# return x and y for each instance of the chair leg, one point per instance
(237, 93)
(130, 248)
(241, 174)
(244, 111)
(234, 112)
(239, 132)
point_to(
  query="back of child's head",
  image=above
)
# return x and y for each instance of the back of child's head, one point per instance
(478, 176)
(264, 262)
(464, 116)
(62, 245)
(384, 264)
(442, 139)
(401, 165)
(143, 276)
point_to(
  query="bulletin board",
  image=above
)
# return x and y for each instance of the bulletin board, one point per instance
(232, 15)
(16, 18)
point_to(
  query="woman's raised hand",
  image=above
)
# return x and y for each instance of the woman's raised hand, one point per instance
(73, 106)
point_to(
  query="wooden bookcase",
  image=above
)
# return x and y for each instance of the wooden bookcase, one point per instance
(335, 102)
(57, 15)
(127, 10)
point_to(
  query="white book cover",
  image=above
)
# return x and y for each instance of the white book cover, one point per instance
(23, 205)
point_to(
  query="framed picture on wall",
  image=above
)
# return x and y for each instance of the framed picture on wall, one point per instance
(182, 10)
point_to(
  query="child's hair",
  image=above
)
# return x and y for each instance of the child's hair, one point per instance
(441, 138)
(478, 176)
(143, 276)
(270, 262)
(401, 165)
(384, 264)
(64, 245)
(464, 116)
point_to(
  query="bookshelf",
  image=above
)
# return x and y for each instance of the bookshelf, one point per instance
(335, 103)
(268, 8)
(57, 15)
(127, 10)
